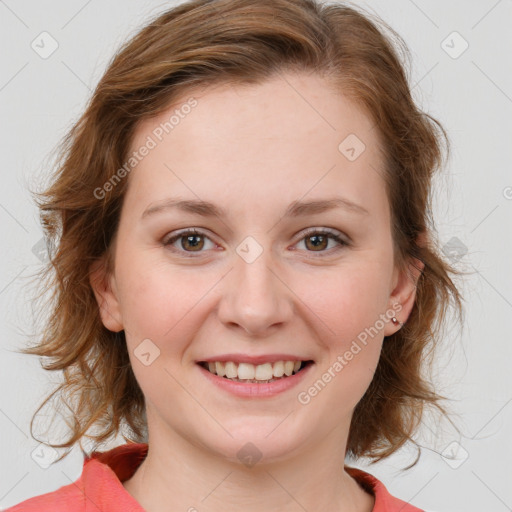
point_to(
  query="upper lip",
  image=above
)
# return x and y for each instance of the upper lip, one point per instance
(255, 360)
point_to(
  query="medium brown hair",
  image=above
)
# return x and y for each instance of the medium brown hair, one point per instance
(200, 43)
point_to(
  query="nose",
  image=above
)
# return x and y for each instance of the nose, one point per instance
(255, 296)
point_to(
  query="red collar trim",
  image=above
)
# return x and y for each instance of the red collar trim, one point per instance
(104, 472)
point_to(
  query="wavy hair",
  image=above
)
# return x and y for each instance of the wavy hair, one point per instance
(205, 42)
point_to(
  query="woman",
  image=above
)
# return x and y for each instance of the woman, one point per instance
(246, 282)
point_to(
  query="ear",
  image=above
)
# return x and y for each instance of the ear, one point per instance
(403, 294)
(104, 289)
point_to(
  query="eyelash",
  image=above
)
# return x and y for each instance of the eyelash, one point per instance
(333, 235)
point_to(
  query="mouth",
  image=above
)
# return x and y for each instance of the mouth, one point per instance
(255, 374)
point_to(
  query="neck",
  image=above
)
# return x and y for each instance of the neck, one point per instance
(178, 475)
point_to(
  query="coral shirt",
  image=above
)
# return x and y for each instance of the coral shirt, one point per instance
(99, 488)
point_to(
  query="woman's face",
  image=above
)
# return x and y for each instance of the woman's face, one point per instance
(261, 278)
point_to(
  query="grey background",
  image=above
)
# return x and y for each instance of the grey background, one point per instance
(471, 95)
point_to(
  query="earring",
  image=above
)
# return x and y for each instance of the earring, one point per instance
(396, 321)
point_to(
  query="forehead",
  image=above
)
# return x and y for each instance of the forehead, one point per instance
(293, 132)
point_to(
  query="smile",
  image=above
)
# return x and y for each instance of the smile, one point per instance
(247, 380)
(261, 373)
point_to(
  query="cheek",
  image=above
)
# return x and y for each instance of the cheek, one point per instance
(348, 299)
(160, 307)
(348, 312)
(152, 294)
(163, 303)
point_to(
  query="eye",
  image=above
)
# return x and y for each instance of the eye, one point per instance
(193, 241)
(318, 239)
(189, 241)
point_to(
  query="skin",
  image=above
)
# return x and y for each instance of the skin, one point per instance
(272, 143)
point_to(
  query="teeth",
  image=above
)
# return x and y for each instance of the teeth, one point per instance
(261, 372)
(278, 369)
(220, 369)
(231, 370)
(248, 372)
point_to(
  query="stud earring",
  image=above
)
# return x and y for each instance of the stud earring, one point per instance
(396, 321)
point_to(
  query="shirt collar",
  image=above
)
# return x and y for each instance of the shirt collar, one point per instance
(104, 472)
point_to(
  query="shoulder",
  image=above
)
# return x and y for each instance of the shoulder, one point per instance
(98, 488)
(384, 501)
(68, 498)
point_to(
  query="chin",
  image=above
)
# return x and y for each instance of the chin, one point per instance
(257, 441)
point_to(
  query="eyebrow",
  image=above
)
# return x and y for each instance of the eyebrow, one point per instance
(295, 209)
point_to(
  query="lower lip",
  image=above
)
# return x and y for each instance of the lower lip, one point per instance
(249, 389)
